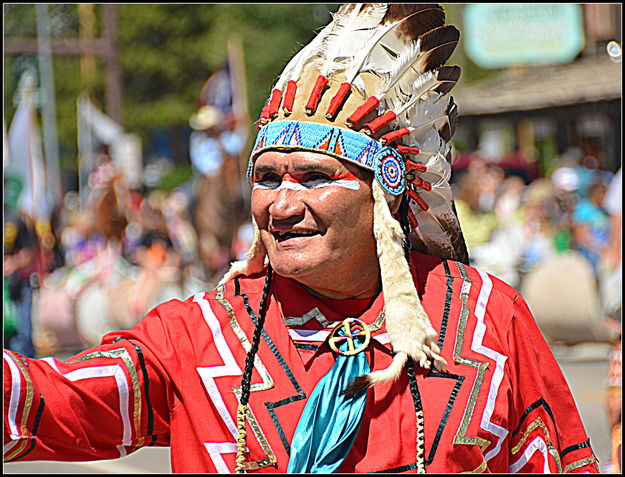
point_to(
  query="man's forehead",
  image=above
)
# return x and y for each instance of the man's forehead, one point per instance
(300, 161)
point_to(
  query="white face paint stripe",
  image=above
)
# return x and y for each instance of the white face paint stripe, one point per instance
(288, 185)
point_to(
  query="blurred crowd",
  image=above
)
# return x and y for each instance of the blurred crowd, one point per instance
(101, 262)
(151, 245)
(511, 226)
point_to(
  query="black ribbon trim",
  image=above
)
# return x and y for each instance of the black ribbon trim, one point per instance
(146, 389)
(450, 405)
(307, 346)
(273, 405)
(570, 449)
(448, 295)
(403, 468)
(540, 403)
(35, 427)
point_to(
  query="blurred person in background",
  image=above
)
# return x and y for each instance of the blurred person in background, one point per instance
(539, 229)
(611, 294)
(591, 225)
(184, 238)
(474, 199)
(157, 280)
(108, 199)
(215, 149)
(564, 182)
(589, 172)
(21, 265)
(611, 260)
(507, 205)
(80, 240)
(500, 254)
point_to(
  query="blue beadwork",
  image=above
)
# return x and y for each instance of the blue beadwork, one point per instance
(304, 136)
(390, 170)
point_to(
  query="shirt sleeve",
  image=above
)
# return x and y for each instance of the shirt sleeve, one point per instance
(547, 434)
(102, 403)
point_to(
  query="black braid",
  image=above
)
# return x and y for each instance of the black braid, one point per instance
(405, 226)
(412, 380)
(418, 405)
(249, 359)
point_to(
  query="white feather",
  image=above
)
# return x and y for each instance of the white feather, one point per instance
(351, 31)
(294, 68)
(363, 62)
(419, 87)
(401, 67)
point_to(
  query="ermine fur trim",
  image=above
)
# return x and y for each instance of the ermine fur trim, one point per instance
(408, 326)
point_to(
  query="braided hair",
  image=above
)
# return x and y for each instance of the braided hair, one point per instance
(247, 372)
(249, 359)
(405, 226)
(410, 370)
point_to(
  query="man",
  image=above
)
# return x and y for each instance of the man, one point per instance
(332, 347)
(20, 263)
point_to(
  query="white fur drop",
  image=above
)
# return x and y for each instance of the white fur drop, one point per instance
(408, 326)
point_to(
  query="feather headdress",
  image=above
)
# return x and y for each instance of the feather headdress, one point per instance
(371, 89)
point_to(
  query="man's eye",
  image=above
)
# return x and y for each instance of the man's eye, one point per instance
(316, 176)
(268, 179)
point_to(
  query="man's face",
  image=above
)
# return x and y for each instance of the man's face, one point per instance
(315, 215)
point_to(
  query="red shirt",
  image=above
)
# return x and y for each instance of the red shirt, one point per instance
(503, 404)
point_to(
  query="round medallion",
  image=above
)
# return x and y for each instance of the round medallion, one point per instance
(355, 333)
(389, 170)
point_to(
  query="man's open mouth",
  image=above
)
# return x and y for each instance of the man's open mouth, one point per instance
(281, 236)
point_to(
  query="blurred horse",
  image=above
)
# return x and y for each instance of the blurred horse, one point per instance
(218, 210)
(108, 200)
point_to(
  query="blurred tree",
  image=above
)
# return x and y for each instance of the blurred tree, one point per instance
(166, 52)
(470, 71)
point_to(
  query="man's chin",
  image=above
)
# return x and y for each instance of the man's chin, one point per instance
(290, 270)
(297, 269)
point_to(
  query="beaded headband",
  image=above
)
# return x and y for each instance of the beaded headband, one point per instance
(344, 144)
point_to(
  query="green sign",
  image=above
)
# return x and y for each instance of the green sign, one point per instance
(497, 35)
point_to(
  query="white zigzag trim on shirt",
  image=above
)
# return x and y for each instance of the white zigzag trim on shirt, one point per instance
(208, 375)
(477, 346)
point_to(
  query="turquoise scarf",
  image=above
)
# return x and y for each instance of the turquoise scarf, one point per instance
(330, 421)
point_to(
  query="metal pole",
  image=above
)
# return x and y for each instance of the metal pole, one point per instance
(48, 104)
(113, 70)
(86, 21)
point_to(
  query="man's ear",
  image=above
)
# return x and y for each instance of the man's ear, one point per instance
(394, 203)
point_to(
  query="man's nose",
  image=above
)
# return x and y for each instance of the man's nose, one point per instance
(286, 206)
